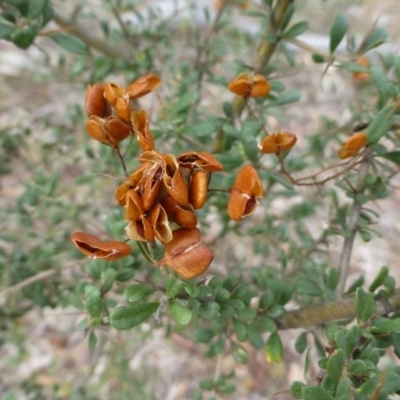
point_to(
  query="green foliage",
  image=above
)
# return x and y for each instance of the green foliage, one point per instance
(265, 265)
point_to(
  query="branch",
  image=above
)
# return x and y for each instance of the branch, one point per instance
(266, 48)
(352, 226)
(108, 49)
(341, 309)
(32, 279)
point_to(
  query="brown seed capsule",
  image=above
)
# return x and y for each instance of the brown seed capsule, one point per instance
(143, 85)
(198, 189)
(249, 85)
(186, 253)
(94, 247)
(353, 145)
(95, 103)
(244, 193)
(277, 143)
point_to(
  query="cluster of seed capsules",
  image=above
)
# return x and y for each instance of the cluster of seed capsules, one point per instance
(162, 195)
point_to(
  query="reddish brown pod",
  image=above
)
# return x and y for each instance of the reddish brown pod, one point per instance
(250, 85)
(94, 247)
(187, 254)
(244, 193)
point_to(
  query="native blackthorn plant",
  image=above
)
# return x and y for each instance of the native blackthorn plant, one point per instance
(194, 147)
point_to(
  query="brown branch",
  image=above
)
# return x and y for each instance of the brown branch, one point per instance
(340, 309)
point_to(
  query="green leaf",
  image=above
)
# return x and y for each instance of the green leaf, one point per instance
(374, 39)
(308, 287)
(357, 367)
(5, 29)
(36, 7)
(239, 354)
(127, 317)
(336, 364)
(357, 283)
(352, 339)
(307, 363)
(134, 293)
(184, 102)
(267, 324)
(385, 325)
(301, 342)
(332, 279)
(365, 305)
(92, 341)
(254, 336)
(343, 389)
(240, 329)
(273, 348)
(287, 17)
(246, 314)
(209, 310)
(76, 302)
(69, 43)
(338, 31)
(380, 125)
(393, 156)
(282, 291)
(296, 389)
(378, 281)
(203, 335)
(181, 314)
(288, 54)
(107, 280)
(248, 134)
(201, 129)
(295, 30)
(93, 302)
(287, 97)
(22, 38)
(174, 286)
(317, 58)
(315, 393)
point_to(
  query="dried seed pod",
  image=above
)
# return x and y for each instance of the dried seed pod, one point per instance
(173, 180)
(116, 130)
(361, 77)
(250, 85)
(244, 193)
(198, 189)
(277, 143)
(95, 103)
(202, 159)
(186, 253)
(143, 85)
(120, 193)
(140, 124)
(151, 186)
(94, 247)
(134, 209)
(140, 230)
(159, 220)
(353, 145)
(184, 216)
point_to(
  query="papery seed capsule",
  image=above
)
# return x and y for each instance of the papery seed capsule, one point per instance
(95, 103)
(198, 189)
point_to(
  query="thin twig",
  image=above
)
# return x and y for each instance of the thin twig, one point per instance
(352, 226)
(28, 281)
(121, 160)
(109, 49)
